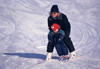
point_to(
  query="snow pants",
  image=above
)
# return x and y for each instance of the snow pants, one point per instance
(67, 41)
(59, 44)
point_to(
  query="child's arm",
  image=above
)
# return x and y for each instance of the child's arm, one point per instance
(61, 34)
(50, 35)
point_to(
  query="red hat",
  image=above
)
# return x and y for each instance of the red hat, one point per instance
(55, 27)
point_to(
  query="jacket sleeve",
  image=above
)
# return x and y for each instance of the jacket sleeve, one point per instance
(49, 25)
(66, 24)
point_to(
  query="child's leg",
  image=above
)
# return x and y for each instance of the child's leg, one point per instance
(62, 45)
(57, 46)
(63, 48)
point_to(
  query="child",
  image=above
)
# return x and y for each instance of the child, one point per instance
(56, 35)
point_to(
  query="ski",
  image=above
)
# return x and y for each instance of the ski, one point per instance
(63, 60)
(77, 57)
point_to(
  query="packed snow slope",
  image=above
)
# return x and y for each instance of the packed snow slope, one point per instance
(24, 29)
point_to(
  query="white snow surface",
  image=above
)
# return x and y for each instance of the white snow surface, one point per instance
(24, 29)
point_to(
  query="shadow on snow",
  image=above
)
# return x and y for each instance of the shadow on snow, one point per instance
(28, 55)
(31, 55)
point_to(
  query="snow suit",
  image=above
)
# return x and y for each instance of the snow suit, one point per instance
(57, 38)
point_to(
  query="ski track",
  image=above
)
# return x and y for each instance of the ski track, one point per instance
(23, 33)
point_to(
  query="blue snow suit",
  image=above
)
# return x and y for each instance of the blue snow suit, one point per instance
(58, 42)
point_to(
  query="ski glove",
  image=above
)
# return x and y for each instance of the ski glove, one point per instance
(61, 36)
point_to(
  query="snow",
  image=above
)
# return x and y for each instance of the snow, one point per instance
(23, 33)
